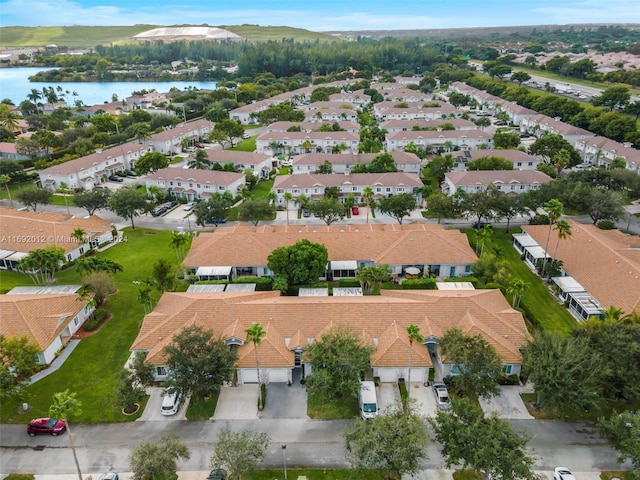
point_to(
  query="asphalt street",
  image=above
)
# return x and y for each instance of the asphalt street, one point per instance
(312, 443)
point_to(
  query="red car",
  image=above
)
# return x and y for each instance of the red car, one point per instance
(46, 425)
(355, 211)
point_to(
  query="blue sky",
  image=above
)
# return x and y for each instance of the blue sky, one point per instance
(319, 15)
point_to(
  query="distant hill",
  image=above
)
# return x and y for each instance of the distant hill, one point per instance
(88, 37)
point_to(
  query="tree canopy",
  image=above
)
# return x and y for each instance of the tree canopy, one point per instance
(158, 460)
(129, 203)
(32, 197)
(398, 206)
(92, 200)
(302, 263)
(239, 452)
(18, 361)
(329, 209)
(255, 210)
(490, 163)
(151, 162)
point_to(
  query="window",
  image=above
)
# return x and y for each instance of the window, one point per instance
(513, 187)
(519, 164)
(378, 189)
(222, 187)
(530, 164)
(506, 369)
(161, 371)
(388, 189)
(75, 321)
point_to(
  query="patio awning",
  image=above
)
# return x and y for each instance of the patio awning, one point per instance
(344, 265)
(568, 284)
(536, 252)
(412, 270)
(213, 271)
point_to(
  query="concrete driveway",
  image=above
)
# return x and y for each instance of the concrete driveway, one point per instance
(388, 396)
(237, 403)
(425, 401)
(286, 401)
(508, 404)
(152, 411)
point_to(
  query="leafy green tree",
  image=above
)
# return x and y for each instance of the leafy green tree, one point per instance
(64, 405)
(239, 452)
(613, 98)
(158, 460)
(227, 131)
(329, 210)
(338, 359)
(216, 206)
(382, 163)
(129, 203)
(622, 430)
(151, 162)
(325, 167)
(141, 370)
(32, 197)
(42, 264)
(128, 392)
(507, 140)
(199, 363)
(605, 205)
(564, 370)
(101, 284)
(440, 204)
(488, 445)
(490, 163)
(480, 204)
(394, 444)
(255, 334)
(302, 263)
(18, 362)
(398, 206)
(549, 144)
(371, 278)
(520, 77)
(97, 264)
(163, 274)
(255, 210)
(479, 365)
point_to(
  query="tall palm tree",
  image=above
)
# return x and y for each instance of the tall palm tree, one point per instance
(414, 335)
(554, 210)
(287, 198)
(5, 180)
(612, 314)
(564, 230)
(516, 289)
(256, 333)
(79, 234)
(367, 196)
(65, 404)
(178, 241)
(302, 201)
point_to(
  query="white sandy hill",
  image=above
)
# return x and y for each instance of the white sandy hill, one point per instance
(187, 33)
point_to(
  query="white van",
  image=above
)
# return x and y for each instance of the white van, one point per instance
(170, 403)
(368, 400)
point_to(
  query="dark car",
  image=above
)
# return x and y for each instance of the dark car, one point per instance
(216, 220)
(130, 173)
(306, 212)
(481, 224)
(218, 474)
(171, 204)
(52, 426)
(116, 178)
(159, 211)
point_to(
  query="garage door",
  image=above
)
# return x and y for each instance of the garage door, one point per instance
(247, 375)
(280, 375)
(386, 374)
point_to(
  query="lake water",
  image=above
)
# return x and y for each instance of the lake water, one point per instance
(15, 85)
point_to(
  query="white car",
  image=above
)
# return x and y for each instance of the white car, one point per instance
(189, 206)
(442, 395)
(563, 473)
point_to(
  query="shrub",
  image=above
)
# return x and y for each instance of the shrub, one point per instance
(262, 283)
(540, 220)
(99, 316)
(348, 282)
(419, 284)
(509, 380)
(606, 225)
(211, 282)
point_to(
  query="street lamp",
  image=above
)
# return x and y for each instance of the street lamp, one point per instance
(284, 456)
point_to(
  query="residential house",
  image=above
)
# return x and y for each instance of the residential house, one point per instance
(145, 100)
(602, 151)
(244, 250)
(194, 184)
(406, 95)
(47, 316)
(314, 185)
(344, 125)
(441, 141)
(520, 159)
(24, 231)
(309, 162)
(170, 141)
(303, 142)
(91, 170)
(8, 151)
(393, 126)
(293, 323)
(331, 115)
(486, 103)
(507, 181)
(604, 266)
(390, 111)
(358, 98)
(540, 124)
(259, 163)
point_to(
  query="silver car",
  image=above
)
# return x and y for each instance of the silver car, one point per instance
(442, 395)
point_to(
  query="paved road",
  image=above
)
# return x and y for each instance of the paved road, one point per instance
(311, 443)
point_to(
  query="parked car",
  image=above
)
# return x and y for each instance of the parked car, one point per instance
(159, 211)
(130, 173)
(218, 474)
(306, 212)
(109, 476)
(116, 178)
(442, 395)
(52, 426)
(355, 211)
(191, 149)
(286, 163)
(189, 206)
(171, 403)
(481, 224)
(563, 473)
(171, 204)
(216, 220)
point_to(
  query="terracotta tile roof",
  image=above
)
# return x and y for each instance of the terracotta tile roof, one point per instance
(414, 243)
(382, 317)
(311, 136)
(605, 263)
(23, 231)
(39, 317)
(484, 177)
(232, 156)
(310, 180)
(513, 155)
(352, 158)
(211, 177)
(393, 349)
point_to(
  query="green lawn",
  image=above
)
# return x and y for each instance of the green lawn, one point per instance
(93, 367)
(319, 409)
(540, 306)
(248, 145)
(315, 474)
(202, 409)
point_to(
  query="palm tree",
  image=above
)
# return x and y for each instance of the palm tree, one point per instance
(287, 198)
(554, 210)
(414, 334)
(482, 236)
(306, 145)
(256, 333)
(79, 234)
(516, 289)
(349, 203)
(64, 405)
(612, 314)
(564, 230)
(200, 161)
(367, 196)
(5, 180)
(302, 202)
(144, 297)
(178, 240)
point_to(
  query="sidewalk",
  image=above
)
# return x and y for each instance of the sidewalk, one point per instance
(55, 365)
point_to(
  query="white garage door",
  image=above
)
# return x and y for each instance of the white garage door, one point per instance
(386, 374)
(280, 375)
(247, 375)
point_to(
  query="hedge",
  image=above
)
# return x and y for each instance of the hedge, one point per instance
(419, 284)
(262, 283)
(348, 282)
(99, 316)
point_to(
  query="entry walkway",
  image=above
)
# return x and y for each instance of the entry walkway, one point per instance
(55, 365)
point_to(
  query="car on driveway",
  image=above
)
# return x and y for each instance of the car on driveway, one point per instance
(116, 178)
(189, 206)
(130, 173)
(563, 473)
(218, 474)
(52, 426)
(109, 476)
(355, 211)
(442, 395)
